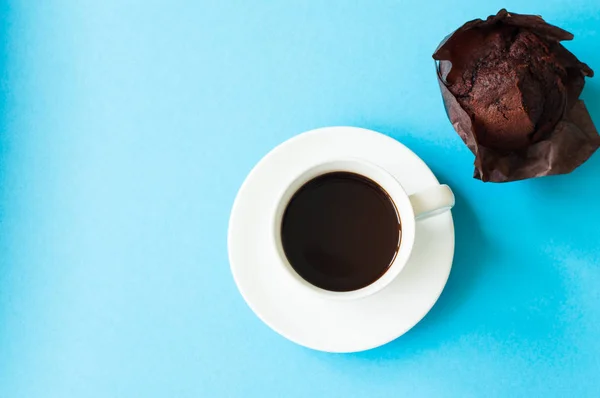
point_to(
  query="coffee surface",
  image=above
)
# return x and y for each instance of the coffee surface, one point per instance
(340, 231)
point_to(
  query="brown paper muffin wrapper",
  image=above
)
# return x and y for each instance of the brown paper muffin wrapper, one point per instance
(560, 147)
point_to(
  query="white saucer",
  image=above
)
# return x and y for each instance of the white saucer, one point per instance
(308, 319)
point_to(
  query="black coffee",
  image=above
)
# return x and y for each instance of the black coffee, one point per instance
(340, 231)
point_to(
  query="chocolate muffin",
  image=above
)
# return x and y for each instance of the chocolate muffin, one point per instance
(508, 86)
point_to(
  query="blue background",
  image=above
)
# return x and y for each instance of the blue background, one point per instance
(126, 128)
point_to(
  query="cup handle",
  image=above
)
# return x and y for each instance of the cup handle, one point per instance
(432, 201)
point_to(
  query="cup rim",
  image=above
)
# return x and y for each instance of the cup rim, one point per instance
(397, 195)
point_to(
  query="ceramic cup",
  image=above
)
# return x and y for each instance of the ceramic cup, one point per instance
(410, 209)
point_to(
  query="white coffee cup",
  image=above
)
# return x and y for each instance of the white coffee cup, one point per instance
(410, 209)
